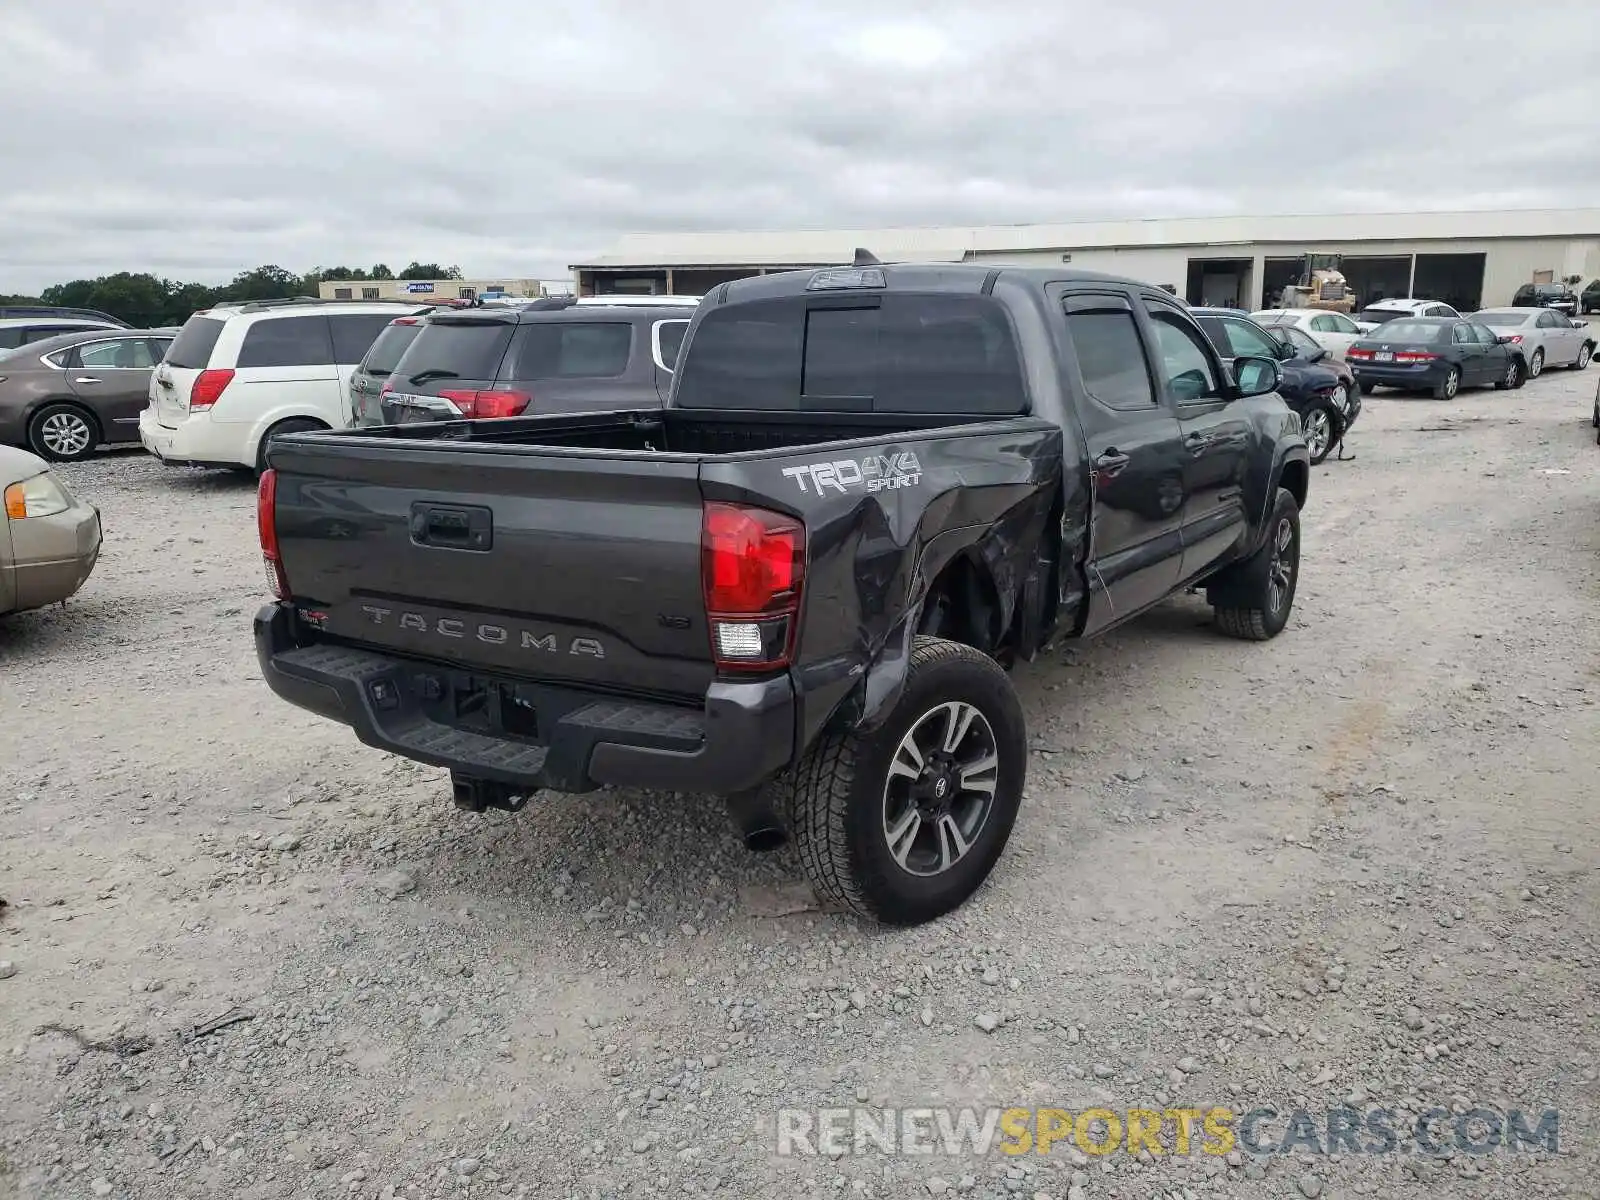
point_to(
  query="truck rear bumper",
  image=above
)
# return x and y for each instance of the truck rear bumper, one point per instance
(567, 739)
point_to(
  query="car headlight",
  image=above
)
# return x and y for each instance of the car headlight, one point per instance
(40, 496)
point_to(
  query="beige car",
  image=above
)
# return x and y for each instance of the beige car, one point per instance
(49, 539)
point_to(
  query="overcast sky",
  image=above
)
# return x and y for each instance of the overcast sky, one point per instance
(198, 139)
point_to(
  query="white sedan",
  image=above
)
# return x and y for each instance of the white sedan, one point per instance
(1333, 331)
(1548, 338)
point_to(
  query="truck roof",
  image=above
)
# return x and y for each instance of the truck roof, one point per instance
(921, 277)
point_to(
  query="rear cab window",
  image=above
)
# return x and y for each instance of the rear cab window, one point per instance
(890, 352)
(191, 349)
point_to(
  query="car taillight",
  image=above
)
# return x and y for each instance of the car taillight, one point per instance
(208, 389)
(1515, 338)
(1358, 352)
(488, 404)
(1413, 356)
(752, 563)
(267, 530)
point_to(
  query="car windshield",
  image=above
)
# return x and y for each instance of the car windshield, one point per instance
(1377, 316)
(1412, 331)
(1501, 320)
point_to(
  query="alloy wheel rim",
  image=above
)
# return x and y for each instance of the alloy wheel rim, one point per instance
(1536, 365)
(1280, 571)
(66, 434)
(1583, 356)
(1317, 431)
(1451, 382)
(941, 787)
(1511, 373)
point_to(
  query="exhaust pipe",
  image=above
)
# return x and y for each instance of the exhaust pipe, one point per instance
(756, 821)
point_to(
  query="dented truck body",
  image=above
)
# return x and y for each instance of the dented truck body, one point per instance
(694, 597)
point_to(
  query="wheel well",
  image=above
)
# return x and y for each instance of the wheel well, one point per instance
(1296, 476)
(266, 434)
(963, 605)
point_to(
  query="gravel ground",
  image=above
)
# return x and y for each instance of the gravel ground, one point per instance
(1354, 865)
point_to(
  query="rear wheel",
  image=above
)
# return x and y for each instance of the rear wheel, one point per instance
(1447, 387)
(292, 425)
(1585, 353)
(63, 432)
(902, 823)
(1536, 364)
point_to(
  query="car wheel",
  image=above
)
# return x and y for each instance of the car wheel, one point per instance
(63, 433)
(1515, 375)
(902, 823)
(1536, 364)
(1319, 424)
(1585, 353)
(292, 425)
(1447, 387)
(1252, 601)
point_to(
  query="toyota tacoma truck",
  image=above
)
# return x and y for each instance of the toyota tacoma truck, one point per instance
(798, 584)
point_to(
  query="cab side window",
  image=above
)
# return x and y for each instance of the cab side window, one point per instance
(1186, 368)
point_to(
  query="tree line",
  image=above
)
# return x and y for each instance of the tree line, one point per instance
(146, 301)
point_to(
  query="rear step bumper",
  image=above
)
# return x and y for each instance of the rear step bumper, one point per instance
(742, 737)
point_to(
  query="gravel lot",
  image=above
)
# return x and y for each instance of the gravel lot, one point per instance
(1356, 864)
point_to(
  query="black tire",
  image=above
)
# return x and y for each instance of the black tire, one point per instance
(1322, 425)
(292, 425)
(1252, 601)
(1515, 376)
(1584, 355)
(1536, 364)
(837, 800)
(63, 432)
(1447, 387)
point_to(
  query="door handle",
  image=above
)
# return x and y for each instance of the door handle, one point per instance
(1110, 462)
(85, 379)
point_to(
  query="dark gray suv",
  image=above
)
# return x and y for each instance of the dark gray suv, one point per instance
(553, 355)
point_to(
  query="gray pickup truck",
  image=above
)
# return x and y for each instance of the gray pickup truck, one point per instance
(795, 585)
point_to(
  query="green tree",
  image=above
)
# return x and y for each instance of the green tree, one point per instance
(270, 282)
(382, 271)
(418, 270)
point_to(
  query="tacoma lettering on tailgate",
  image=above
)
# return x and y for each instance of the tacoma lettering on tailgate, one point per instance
(492, 635)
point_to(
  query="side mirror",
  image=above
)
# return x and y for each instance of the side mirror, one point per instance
(1255, 375)
(1319, 356)
(1287, 351)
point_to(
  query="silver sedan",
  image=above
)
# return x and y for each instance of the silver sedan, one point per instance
(1548, 338)
(49, 539)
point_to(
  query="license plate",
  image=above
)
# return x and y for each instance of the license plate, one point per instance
(1383, 356)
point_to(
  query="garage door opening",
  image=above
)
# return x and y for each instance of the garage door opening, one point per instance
(1373, 277)
(1457, 279)
(1277, 274)
(1220, 282)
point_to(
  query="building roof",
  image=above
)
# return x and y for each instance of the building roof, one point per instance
(816, 247)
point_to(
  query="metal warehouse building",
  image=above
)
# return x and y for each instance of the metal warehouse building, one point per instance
(1469, 259)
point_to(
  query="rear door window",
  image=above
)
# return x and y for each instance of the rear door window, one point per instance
(571, 350)
(124, 353)
(1110, 355)
(287, 342)
(354, 333)
(191, 349)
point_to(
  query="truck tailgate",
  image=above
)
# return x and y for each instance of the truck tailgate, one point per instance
(546, 565)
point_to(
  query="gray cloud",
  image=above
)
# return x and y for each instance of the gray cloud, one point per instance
(197, 139)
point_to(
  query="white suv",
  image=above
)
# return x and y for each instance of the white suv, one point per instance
(238, 375)
(1380, 312)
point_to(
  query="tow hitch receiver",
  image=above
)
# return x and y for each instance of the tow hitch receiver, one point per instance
(479, 795)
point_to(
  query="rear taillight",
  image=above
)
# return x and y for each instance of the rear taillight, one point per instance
(752, 563)
(267, 530)
(1357, 353)
(1515, 339)
(488, 404)
(208, 389)
(1413, 356)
